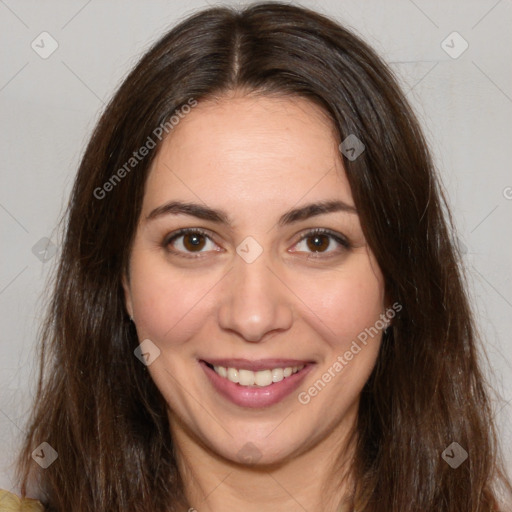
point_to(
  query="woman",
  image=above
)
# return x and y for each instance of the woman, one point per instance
(257, 279)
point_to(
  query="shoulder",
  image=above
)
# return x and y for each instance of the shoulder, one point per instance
(11, 503)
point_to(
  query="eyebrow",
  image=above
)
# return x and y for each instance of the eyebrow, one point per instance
(219, 216)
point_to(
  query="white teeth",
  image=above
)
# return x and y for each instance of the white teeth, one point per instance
(261, 378)
(232, 375)
(277, 375)
(221, 371)
(246, 378)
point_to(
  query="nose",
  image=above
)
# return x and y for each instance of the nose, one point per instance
(255, 303)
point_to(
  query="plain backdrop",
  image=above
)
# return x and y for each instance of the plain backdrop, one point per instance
(49, 107)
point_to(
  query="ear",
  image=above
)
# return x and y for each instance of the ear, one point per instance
(125, 281)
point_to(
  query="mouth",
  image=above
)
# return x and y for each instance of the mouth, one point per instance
(250, 378)
(255, 384)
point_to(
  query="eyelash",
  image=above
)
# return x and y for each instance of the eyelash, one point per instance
(317, 231)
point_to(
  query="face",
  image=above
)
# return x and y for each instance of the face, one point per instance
(263, 288)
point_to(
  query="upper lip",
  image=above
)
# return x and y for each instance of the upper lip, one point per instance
(256, 365)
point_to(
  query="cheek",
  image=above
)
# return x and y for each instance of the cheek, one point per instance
(167, 305)
(343, 304)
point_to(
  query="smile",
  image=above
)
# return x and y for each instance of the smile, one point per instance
(261, 378)
(255, 384)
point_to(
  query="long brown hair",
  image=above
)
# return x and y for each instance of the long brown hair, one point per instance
(98, 407)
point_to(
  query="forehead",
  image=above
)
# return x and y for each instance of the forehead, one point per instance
(249, 152)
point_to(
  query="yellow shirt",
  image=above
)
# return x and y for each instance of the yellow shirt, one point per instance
(11, 503)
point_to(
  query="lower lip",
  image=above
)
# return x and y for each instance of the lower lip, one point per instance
(255, 397)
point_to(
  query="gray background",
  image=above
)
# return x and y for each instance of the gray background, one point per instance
(49, 107)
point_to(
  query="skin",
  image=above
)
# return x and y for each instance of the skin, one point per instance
(255, 157)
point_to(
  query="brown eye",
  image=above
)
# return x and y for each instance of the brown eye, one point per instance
(318, 243)
(193, 241)
(322, 241)
(188, 241)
